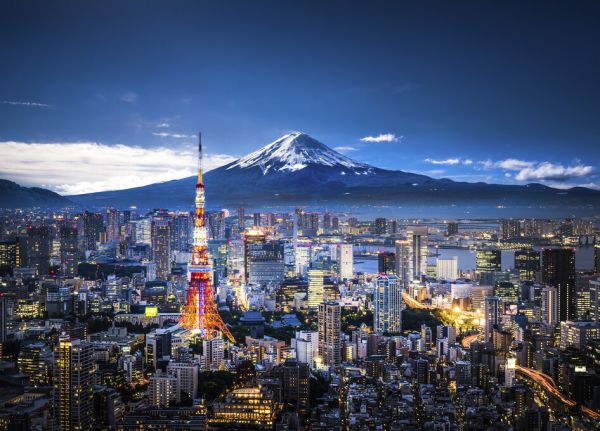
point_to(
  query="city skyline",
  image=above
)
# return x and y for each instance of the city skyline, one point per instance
(488, 93)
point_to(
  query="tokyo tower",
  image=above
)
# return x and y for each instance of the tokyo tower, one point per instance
(200, 314)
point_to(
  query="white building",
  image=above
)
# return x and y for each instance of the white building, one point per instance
(306, 345)
(446, 268)
(550, 306)
(162, 390)
(346, 261)
(187, 378)
(388, 304)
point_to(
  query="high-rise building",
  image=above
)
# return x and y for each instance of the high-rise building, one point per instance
(256, 218)
(316, 287)
(527, 262)
(241, 219)
(214, 352)
(186, 374)
(326, 221)
(158, 345)
(597, 259)
(403, 262)
(488, 260)
(216, 225)
(346, 262)
(417, 237)
(452, 228)
(558, 270)
(330, 344)
(491, 315)
(265, 262)
(594, 289)
(93, 225)
(446, 268)
(550, 305)
(35, 360)
(508, 292)
(295, 383)
(10, 255)
(161, 247)
(3, 317)
(380, 226)
(577, 333)
(162, 390)
(252, 239)
(112, 224)
(181, 231)
(510, 229)
(69, 250)
(37, 251)
(73, 385)
(388, 304)
(478, 295)
(386, 262)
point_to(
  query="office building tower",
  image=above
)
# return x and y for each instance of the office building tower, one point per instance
(597, 259)
(452, 228)
(558, 270)
(510, 229)
(36, 361)
(403, 262)
(306, 345)
(256, 219)
(186, 375)
(488, 260)
(329, 323)
(491, 315)
(508, 292)
(37, 250)
(161, 247)
(112, 224)
(417, 237)
(286, 292)
(162, 390)
(158, 346)
(527, 262)
(386, 263)
(181, 232)
(594, 289)
(326, 221)
(214, 352)
(550, 306)
(294, 377)
(216, 225)
(10, 256)
(265, 260)
(346, 262)
(446, 268)
(241, 219)
(93, 225)
(3, 317)
(316, 287)
(380, 226)
(577, 333)
(69, 250)
(388, 304)
(335, 223)
(73, 385)
(478, 295)
(253, 241)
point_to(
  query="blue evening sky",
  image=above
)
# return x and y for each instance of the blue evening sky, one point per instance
(494, 91)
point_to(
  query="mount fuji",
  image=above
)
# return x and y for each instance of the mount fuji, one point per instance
(299, 170)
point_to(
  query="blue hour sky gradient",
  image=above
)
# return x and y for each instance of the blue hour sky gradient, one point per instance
(104, 95)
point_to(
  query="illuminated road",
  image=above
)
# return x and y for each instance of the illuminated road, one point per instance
(413, 303)
(462, 320)
(466, 341)
(548, 384)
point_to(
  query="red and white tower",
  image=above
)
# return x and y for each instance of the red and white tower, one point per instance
(200, 312)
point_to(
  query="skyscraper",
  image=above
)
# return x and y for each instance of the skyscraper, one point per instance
(3, 316)
(491, 315)
(316, 286)
(388, 304)
(550, 306)
(330, 347)
(252, 239)
(488, 260)
(161, 246)
(510, 229)
(256, 219)
(37, 251)
(346, 261)
(73, 385)
(181, 232)
(386, 262)
(380, 226)
(418, 248)
(112, 224)
(403, 262)
(446, 268)
(558, 270)
(69, 251)
(527, 262)
(452, 228)
(10, 255)
(92, 226)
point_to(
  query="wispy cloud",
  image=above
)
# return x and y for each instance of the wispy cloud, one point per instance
(345, 149)
(85, 167)
(20, 103)
(163, 125)
(129, 97)
(172, 135)
(383, 137)
(547, 171)
(452, 161)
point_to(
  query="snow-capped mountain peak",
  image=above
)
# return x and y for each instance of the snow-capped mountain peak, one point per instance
(296, 151)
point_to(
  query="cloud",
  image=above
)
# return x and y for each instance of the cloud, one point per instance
(85, 167)
(547, 171)
(467, 162)
(163, 125)
(514, 164)
(383, 137)
(15, 103)
(129, 97)
(345, 149)
(172, 135)
(449, 162)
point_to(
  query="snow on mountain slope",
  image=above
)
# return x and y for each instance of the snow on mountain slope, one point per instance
(295, 151)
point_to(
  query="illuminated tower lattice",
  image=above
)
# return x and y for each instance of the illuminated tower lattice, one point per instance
(200, 313)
